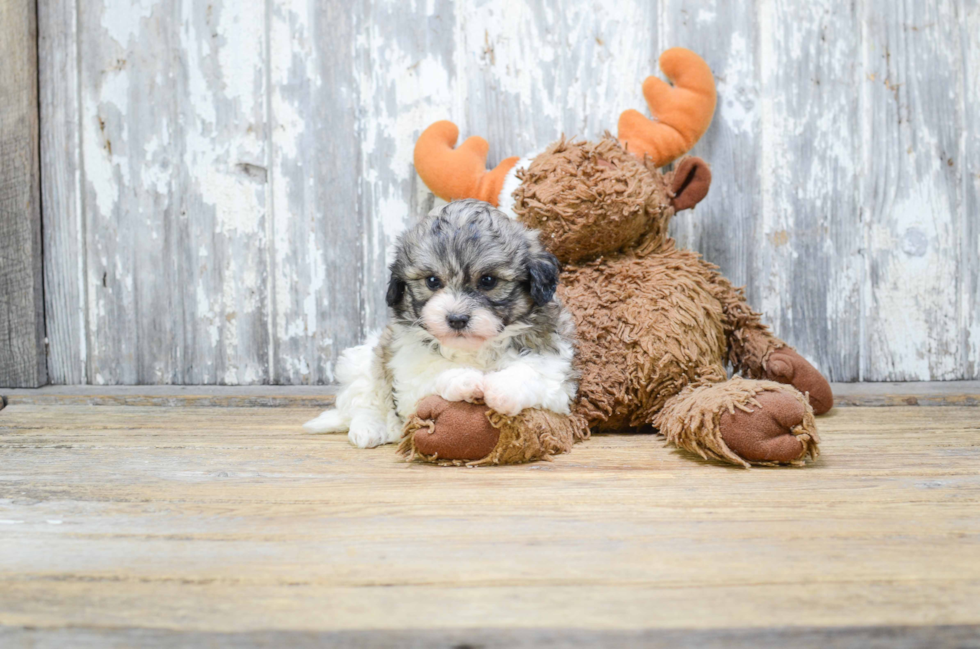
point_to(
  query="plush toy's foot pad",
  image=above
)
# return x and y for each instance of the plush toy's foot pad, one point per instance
(454, 430)
(741, 421)
(774, 431)
(786, 366)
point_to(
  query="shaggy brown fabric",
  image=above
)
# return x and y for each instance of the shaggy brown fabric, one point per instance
(749, 341)
(531, 435)
(647, 327)
(756, 353)
(652, 321)
(695, 418)
(587, 198)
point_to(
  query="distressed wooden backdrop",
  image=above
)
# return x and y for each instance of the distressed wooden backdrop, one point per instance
(220, 179)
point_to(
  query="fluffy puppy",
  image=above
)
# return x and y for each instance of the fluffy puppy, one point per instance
(473, 317)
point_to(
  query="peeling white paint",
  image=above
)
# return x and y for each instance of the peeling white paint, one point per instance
(706, 15)
(737, 103)
(912, 297)
(209, 158)
(122, 21)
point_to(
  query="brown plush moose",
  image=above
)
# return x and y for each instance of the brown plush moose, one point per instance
(656, 324)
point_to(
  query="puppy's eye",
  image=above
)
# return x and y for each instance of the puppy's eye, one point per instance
(433, 282)
(487, 282)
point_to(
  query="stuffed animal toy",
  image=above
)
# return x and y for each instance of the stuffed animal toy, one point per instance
(656, 324)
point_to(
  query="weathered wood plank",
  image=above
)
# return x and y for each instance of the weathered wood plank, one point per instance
(968, 19)
(895, 637)
(808, 269)
(65, 273)
(127, 152)
(532, 71)
(195, 396)
(722, 228)
(173, 122)
(213, 520)
(243, 168)
(218, 223)
(907, 393)
(22, 350)
(912, 129)
(318, 235)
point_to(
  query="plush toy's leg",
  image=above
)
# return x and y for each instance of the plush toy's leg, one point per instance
(742, 422)
(755, 353)
(456, 432)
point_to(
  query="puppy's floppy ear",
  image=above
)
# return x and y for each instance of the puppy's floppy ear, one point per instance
(396, 291)
(543, 271)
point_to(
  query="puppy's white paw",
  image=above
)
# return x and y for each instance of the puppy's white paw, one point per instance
(501, 393)
(395, 427)
(367, 431)
(463, 384)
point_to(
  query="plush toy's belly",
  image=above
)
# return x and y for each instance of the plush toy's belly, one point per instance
(647, 327)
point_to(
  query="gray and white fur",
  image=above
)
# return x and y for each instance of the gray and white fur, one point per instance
(473, 317)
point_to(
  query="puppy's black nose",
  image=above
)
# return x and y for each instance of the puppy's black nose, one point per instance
(458, 322)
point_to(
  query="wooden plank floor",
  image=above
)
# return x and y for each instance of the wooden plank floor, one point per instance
(190, 523)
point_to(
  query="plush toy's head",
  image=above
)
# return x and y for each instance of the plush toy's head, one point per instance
(592, 198)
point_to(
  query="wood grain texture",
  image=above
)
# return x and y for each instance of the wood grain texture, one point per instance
(318, 241)
(220, 520)
(185, 396)
(173, 147)
(533, 71)
(808, 270)
(22, 351)
(65, 272)
(968, 14)
(913, 126)
(723, 226)
(891, 637)
(260, 167)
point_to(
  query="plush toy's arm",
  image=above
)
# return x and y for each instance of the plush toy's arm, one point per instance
(756, 353)
(750, 342)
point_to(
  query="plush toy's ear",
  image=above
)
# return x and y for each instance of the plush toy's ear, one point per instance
(543, 270)
(689, 184)
(396, 291)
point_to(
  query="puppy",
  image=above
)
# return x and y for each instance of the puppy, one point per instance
(473, 317)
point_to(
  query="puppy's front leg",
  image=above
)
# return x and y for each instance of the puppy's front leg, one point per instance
(522, 386)
(460, 384)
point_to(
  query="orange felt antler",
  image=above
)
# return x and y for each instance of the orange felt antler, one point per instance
(458, 173)
(682, 112)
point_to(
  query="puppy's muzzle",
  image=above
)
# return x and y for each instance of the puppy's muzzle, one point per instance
(458, 321)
